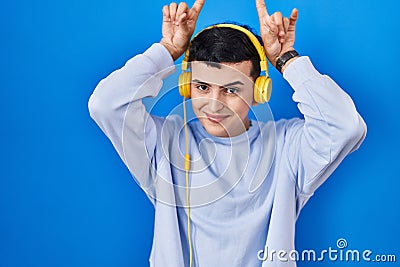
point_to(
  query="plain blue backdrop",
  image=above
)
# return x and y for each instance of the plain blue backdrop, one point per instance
(66, 199)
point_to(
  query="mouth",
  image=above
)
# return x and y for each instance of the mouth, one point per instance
(215, 118)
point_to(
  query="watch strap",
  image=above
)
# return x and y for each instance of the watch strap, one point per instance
(285, 58)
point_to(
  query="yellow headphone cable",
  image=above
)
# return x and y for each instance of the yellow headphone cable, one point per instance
(187, 168)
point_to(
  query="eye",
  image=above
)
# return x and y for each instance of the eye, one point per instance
(202, 87)
(231, 91)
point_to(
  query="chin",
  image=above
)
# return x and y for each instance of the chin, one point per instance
(214, 129)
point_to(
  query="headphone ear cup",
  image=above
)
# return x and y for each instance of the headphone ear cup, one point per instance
(262, 89)
(184, 84)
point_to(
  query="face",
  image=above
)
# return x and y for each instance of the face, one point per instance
(221, 97)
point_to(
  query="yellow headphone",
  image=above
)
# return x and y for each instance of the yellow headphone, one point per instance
(263, 84)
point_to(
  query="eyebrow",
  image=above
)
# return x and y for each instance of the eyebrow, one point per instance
(226, 85)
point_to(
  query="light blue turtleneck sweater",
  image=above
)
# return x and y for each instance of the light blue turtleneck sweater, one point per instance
(246, 192)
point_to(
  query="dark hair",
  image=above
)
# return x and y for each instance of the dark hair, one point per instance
(223, 44)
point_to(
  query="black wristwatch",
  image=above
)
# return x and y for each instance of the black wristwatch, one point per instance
(285, 58)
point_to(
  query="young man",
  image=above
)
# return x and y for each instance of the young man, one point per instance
(248, 180)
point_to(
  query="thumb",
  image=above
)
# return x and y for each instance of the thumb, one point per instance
(182, 34)
(271, 33)
(182, 21)
(182, 24)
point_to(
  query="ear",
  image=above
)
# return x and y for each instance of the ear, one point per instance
(254, 103)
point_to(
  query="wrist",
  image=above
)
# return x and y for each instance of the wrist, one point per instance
(172, 50)
(288, 63)
(284, 59)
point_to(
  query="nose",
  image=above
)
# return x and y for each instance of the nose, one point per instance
(215, 104)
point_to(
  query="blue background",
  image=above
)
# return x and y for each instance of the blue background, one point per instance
(66, 199)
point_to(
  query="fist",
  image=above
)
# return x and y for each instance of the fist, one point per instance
(277, 32)
(178, 26)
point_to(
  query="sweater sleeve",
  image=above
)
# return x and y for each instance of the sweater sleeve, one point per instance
(332, 128)
(116, 106)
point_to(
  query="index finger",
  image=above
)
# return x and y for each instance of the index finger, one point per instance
(197, 6)
(261, 9)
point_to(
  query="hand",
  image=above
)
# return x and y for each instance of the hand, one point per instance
(277, 32)
(178, 26)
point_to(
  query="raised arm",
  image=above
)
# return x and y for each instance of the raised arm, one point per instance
(116, 103)
(332, 127)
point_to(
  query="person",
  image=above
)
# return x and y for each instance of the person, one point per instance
(225, 223)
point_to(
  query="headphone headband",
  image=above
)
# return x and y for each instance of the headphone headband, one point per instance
(252, 37)
(262, 85)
